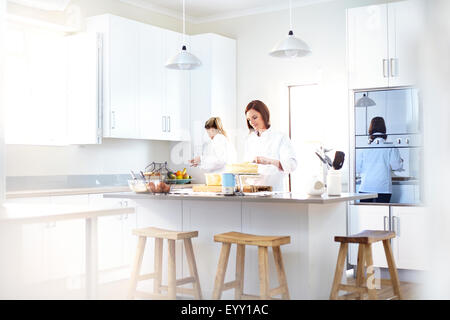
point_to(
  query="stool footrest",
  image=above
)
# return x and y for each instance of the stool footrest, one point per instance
(180, 290)
(250, 297)
(183, 281)
(277, 291)
(349, 288)
(230, 285)
(147, 276)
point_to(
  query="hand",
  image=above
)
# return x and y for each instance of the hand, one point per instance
(195, 162)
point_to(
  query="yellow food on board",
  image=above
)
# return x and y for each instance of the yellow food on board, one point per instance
(244, 167)
(213, 179)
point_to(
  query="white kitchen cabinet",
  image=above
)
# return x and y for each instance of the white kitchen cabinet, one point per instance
(84, 75)
(410, 225)
(176, 92)
(151, 83)
(368, 57)
(382, 41)
(411, 244)
(213, 85)
(141, 98)
(116, 243)
(368, 217)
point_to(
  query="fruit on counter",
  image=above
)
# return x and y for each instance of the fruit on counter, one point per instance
(183, 172)
(179, 173)
(179, 177)
(185, 176)
(172, 176)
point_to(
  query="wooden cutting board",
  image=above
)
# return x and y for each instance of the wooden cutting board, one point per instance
(205, 188)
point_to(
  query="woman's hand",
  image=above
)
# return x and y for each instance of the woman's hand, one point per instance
(264, 160)
(195, 162)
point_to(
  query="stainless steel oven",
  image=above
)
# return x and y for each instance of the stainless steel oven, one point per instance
(400, 110)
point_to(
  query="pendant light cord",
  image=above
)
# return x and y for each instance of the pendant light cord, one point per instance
(184, 24)
(290, 14)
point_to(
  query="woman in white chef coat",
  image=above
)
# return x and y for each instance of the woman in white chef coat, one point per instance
(271, 149)
(375, 165)
(217, 151)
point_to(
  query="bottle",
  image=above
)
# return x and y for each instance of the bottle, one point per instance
(334, 187)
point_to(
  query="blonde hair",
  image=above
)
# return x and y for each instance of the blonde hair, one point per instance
(215, 123)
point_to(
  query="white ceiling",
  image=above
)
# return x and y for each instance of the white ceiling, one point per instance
(198, 11)
(52, 5)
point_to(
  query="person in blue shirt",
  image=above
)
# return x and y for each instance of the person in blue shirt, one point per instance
(375, 165)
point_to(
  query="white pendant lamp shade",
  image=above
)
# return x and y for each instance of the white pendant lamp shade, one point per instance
(291, 46)
(183, 60)
(365, 102)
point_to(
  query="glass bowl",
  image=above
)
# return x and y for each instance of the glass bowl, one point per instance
(158, 186)
(138, 186)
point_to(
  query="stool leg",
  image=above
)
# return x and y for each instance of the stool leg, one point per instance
(136, 266)
(171, 278)
(192, 267)
(370, 272)
(360, 268)
(158, 265)
(339, 269)
(263, 262)
(280, 271)
(392, 268)
(221, 269)
(240, 263)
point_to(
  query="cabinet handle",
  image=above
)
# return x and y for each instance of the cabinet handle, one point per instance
(393, 66)
(385, 223)
(164, 124)
(385, 68)
(113, 120)
(396, 226)
(168, 124)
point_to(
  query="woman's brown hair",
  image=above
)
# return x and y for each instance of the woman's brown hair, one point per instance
(377, 125)
(262, 109)
(215, 123)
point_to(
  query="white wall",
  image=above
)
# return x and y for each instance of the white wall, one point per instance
(2, 140)
(260, 76)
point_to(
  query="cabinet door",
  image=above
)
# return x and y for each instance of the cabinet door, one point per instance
(367, 217)
(367, 46)
(176, 91)
(410, 246)
(83, 95)
(151, 89)
(406, 22)
(123, 73)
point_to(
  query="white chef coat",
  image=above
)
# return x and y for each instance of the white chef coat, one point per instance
(216, 153)
(375, 166)
(273, 145)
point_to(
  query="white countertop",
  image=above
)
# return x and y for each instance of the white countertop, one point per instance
(29, 213)
(277, 197)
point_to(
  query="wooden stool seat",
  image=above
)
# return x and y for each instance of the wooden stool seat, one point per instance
(364, 240)
(252, 240)
(153, 232)
(366, 237)
(263, 242)
(172, 287)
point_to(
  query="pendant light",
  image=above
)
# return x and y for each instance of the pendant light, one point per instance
(183, 60)
(291, 46)
(365, 102)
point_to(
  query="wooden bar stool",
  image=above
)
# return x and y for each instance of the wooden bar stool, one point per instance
(365, 240)
(263, 242)
(171, 288)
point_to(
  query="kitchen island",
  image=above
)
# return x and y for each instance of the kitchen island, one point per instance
(310, 221)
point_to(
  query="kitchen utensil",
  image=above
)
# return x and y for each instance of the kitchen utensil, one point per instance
(328, 160)
(142, 175)
(133, 175)
(338, 161)
(320, 157)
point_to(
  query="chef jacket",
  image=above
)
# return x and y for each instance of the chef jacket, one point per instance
(216, 153)
(375, 166)
(273, 145)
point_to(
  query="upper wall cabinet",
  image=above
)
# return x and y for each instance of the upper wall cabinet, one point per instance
(213, 85)
(382, 42)
(141, 99)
